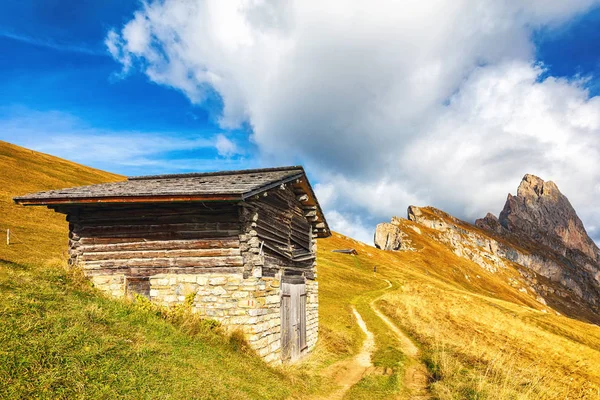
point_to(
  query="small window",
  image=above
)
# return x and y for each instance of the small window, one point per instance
(137, 284)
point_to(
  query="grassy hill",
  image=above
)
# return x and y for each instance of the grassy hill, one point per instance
(37, 234)
(60, 339)
(478, 336)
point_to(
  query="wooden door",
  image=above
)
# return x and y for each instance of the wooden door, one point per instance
(293, 320)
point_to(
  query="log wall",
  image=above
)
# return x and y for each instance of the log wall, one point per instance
(285, 234)
(140, 242)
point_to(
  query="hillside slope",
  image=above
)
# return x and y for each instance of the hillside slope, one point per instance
(37, 234)
(478, 334)
(59, 338)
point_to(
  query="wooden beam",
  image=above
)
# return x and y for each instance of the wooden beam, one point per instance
(302, 198)
(125, 199)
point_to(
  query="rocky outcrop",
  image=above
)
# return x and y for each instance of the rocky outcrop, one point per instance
(490, 223)
(388, 237)
(541, 213)
(493, 252)
(542, 219)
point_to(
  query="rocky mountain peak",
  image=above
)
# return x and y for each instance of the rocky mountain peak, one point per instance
(533, 187)
(541, 213)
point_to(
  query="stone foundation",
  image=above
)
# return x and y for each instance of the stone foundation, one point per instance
(312, 313)
(252, 305)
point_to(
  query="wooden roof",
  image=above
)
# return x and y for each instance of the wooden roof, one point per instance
(211, 186)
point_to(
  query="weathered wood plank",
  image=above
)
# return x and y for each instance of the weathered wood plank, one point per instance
(267, 237)
(83, 229)
(156, 220)
(115, 211)
(152, 254)
(233, 261)
(278, 250)
(140, 237)
(157, 238)
(172, 270)
(160, 245)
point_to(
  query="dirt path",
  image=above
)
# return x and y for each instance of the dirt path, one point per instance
(347, 373)
(415, 377)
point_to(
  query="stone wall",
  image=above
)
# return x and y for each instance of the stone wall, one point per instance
(312, 313)
(251, 305)
(113, 285)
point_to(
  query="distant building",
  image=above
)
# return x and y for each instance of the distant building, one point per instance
(240, 243)
(346, 251)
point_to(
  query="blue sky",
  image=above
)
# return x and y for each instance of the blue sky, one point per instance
(181, 92)
(57, 74)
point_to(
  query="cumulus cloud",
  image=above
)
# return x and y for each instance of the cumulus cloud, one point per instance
(225, 147)
(390, 103)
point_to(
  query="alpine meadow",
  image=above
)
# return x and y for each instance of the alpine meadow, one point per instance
(441, 325)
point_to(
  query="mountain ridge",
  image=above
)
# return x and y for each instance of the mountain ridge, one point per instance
(538, 233)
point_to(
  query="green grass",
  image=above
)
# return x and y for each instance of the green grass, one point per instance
(60, 339)
(375, 387)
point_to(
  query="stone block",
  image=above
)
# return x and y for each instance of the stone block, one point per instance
(220, 280)
(259, 344)
(170, 299)
(239, 295)
(257, 312)
(162, 282)
(188, 278)
(234, 280)
(223, 306)
(201, 280)
(218, 291)
(247, 303)
(101, 280)
(272, 358)
(272, 300)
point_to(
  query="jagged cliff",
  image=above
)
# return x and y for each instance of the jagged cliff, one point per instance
(538, 233)
(541, 213)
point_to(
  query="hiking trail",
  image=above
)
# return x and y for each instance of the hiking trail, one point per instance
(346, 373)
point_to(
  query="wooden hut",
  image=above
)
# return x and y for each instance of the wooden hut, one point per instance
(240, 244)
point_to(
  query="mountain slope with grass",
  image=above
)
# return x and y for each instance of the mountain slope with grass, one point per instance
(479, 335)
(442, 325)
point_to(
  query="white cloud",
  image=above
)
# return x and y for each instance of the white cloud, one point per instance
(505, 122)
(389, 103)
(351, 225)
(225, 147)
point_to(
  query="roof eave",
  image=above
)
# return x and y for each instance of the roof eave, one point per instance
(272, 185)
(121, 199)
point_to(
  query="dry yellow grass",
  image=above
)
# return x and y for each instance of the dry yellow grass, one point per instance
(37, 234)
(480, 337)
